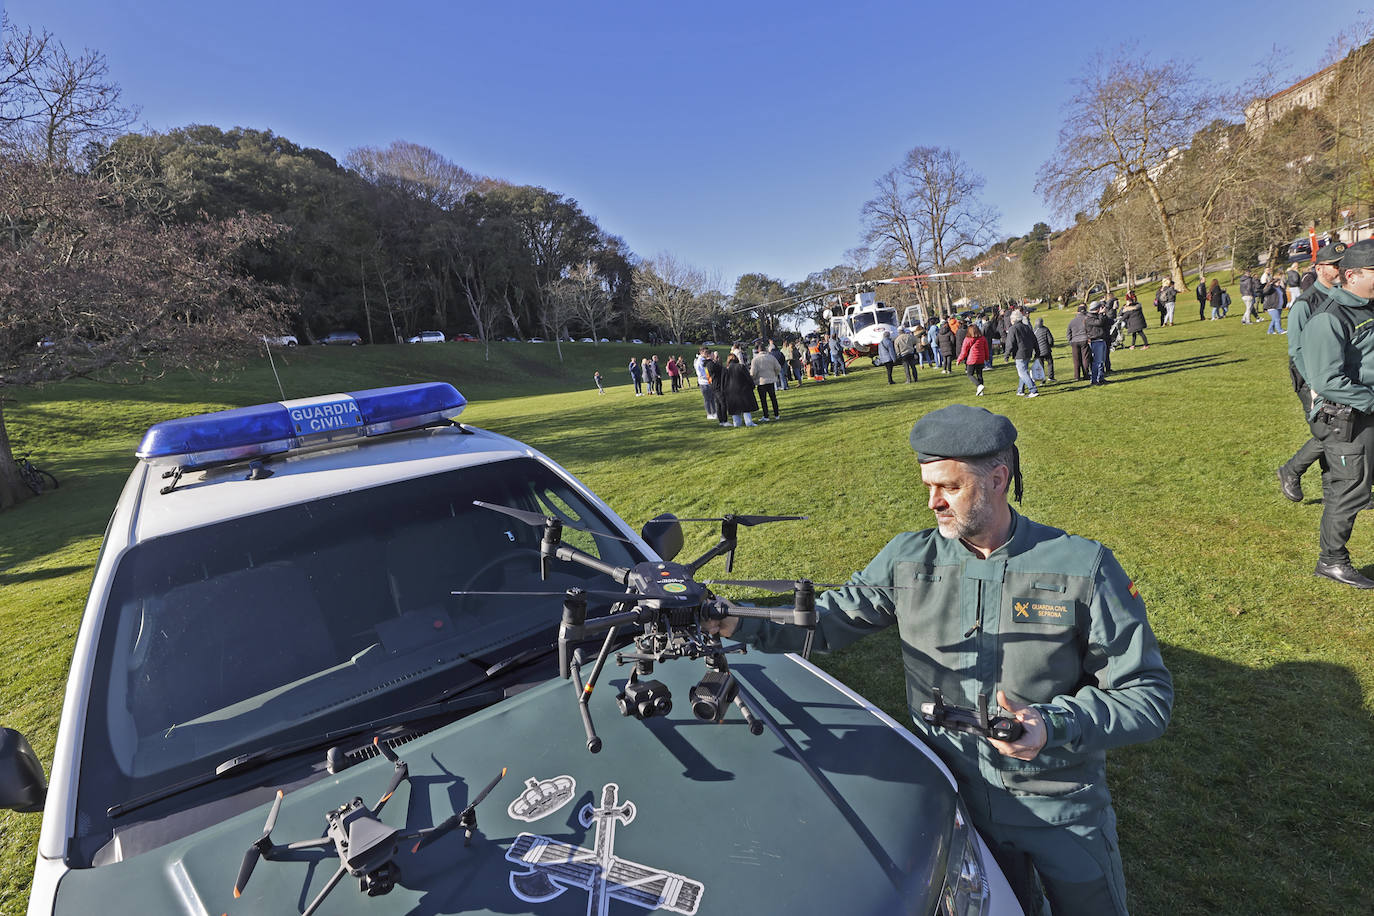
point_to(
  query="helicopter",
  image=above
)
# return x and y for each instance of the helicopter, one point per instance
(860, 320)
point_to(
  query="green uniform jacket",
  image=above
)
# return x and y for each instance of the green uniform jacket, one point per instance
(1340, 370)
(1303, 307)
(1050, 618)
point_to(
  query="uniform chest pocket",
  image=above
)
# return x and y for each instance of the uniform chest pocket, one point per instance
(928, 606)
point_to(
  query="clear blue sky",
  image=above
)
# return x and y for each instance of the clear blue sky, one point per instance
(742, 136)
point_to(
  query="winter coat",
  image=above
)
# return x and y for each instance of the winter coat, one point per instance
(765, 370)
(946, 339)
(1248, 286)
(1098, 326)
(1272, 294)
(887, 352)
(737, 388)
(975, 351)
(1022, 341)
(1044, 341)
(1077, 330)
(905, 344)
(1134, 318)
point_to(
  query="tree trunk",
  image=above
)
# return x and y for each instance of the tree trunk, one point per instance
(1166, 226)
(12, 489)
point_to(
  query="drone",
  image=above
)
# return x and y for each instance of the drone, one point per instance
(669, 607)
(366, 847)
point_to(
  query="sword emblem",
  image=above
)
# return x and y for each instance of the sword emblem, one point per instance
(553, 867)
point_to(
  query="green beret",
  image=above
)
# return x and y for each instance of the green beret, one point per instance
(1360, 254)
(961, 431)
(1331, 253)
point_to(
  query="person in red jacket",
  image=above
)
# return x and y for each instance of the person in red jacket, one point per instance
(973, 354)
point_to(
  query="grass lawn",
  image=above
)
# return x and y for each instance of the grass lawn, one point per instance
(1257, 800)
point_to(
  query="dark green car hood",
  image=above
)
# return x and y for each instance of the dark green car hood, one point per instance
(722, 821)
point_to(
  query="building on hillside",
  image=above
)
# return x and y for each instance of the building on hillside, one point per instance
(1309, 92)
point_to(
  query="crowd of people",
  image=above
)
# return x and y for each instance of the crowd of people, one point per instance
(974, 341)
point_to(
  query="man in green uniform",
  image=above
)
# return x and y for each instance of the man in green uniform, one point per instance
(1338, 362)
(1308, 304)
(991, 604)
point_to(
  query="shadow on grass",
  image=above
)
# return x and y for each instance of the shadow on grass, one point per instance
(39, 575)
(1243, 744)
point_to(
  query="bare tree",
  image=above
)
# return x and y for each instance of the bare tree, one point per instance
(929, 209)
(583, 295)
(671, 294)
(417, 170)
(52, 104)
(1129, 120)
(88, 290)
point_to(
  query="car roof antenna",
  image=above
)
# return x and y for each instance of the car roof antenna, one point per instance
(273, 363)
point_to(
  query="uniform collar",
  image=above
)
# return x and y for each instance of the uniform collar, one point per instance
(1012, 545)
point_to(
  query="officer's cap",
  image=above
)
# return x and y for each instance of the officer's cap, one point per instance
(1331, 253)
(1360, 254)
(961, 431)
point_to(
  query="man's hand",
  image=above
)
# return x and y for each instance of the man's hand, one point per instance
(1032, 739)
(724, 627)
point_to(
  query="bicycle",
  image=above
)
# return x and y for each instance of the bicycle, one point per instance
(35, 478)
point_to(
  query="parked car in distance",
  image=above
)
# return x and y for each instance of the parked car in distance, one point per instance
(341, 339)
(1301, 249)
(586, 340)
(284, 340)
(427, 337)
(636, 341)
(463, 338)
(536, 340)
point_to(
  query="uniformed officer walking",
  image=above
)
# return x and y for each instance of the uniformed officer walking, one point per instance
(1337, 353)
(1046, 624)
(1313, 300)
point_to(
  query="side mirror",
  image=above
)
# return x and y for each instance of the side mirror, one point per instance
(664, 534)
(23, 787)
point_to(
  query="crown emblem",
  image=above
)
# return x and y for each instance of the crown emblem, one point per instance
(542, 797)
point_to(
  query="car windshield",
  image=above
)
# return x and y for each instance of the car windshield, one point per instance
(218, 640)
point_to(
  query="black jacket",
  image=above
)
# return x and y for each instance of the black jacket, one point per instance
(1099, 326)
(1022, 345)
(737, 389)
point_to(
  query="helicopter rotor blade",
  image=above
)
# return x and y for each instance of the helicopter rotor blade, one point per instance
(536, 520)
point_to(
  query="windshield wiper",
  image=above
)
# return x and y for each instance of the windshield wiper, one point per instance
(495, 670)
(252, 759)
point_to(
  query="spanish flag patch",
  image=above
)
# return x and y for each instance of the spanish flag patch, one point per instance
(1135, 592)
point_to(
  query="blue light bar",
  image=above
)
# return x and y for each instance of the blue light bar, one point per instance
(269, 429)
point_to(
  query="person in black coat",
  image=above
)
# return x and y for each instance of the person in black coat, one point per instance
(945, 338)
(1044, 347)
(1134, 316)
(737, 388)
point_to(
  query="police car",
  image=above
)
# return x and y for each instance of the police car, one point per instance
(277, 704)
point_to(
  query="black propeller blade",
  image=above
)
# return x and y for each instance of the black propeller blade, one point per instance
(613, 596)
(749, 521)
(402, 772)
(465, 818)
(535, 520)
(787, 585)
(263, 843)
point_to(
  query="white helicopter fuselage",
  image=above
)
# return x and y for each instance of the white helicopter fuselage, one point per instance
(861, 327)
